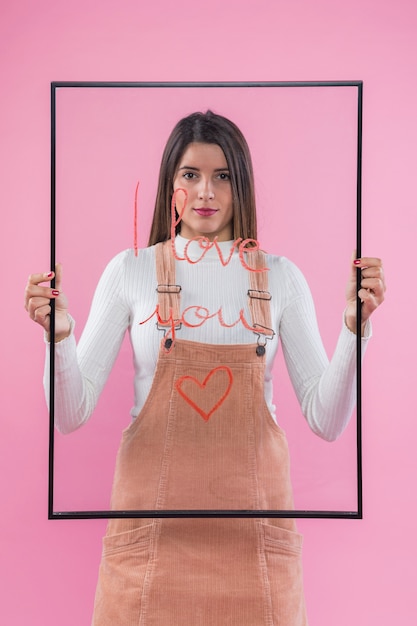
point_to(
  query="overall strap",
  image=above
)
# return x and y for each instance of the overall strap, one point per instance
(168, 290)
(259, 296)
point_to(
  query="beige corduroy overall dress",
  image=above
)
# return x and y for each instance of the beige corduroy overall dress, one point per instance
(204, 439)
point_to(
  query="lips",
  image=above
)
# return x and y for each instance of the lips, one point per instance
(205, 212)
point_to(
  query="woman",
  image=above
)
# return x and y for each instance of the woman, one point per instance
(204, 308)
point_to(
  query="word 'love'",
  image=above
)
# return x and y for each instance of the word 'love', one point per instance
(245, 245)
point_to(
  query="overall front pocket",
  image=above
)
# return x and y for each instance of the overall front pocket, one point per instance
(283, 550)
(123, 568)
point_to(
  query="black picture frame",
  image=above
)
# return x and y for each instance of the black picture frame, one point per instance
(107, 514)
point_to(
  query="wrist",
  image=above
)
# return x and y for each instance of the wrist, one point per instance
(350, 321)
(64, 326)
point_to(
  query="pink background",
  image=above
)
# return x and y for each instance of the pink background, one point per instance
(360, 572)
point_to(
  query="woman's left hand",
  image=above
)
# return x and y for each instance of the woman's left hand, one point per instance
(371, 291)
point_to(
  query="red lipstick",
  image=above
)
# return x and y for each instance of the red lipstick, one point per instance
(205, 211)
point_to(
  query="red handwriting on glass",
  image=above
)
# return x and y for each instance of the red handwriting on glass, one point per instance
(200, 395)
(245, 245)
(201, 313)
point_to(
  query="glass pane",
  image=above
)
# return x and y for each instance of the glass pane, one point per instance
(304, 145)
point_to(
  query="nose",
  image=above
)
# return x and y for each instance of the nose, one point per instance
(205, 191)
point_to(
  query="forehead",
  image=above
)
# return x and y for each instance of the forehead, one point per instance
(203, 154)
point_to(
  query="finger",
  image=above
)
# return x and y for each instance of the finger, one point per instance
(32, 284)
(376, 285)
(373, 272)
(372, 298)
(37, 302)
(33, 291)
(36, 279)
(367, 262)
(369, 305)
(41, 316)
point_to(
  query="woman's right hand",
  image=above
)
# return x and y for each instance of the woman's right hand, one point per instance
(38, 302)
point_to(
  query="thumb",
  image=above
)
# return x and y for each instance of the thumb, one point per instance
(58, 276)
(352, 266)
(355, 263)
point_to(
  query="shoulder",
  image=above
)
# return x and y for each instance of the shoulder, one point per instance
(281, 265)
(285, 274)
(128, 259)
(129, 265)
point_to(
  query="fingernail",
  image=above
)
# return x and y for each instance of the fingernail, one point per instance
(357, 261)
(49, 274)
(55, 292)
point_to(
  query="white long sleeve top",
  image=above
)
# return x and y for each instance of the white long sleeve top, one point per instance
(126, 296)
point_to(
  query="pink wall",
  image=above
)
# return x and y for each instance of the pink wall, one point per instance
(358, 572)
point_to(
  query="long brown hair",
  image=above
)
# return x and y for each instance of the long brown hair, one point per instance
(207, 128)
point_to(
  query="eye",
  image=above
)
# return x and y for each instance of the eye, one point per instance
(189, 175)
(224, 176)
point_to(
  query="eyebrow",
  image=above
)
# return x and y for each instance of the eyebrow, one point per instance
(197, 169)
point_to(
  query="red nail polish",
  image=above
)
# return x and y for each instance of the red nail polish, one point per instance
(50, 274)
(357, 261)
(55, 292)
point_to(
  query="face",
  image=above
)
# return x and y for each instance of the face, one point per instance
(204, 173)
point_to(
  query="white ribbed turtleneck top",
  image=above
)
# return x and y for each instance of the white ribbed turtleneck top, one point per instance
(126, 296)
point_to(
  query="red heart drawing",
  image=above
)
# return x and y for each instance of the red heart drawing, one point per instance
(203, 387)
